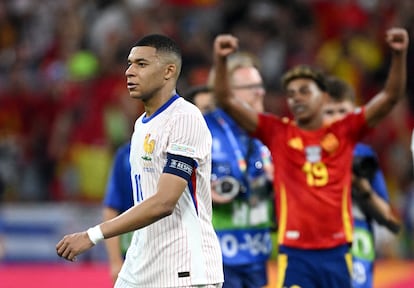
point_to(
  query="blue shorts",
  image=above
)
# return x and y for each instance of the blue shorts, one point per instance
(325, 268)
(245, 276)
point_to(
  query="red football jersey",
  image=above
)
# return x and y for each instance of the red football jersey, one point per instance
(312, 179)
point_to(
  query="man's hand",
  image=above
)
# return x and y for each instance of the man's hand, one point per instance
(225, 45)
(72, 245)
(397, 39)
(362, 187)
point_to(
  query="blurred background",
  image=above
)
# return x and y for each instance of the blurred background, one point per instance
(64, 106)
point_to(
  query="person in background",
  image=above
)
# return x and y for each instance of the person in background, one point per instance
(312, 163)
(241, 183)
(174, 242)
(118, 198)
(370, 200)
(201, 96)
(118, 194)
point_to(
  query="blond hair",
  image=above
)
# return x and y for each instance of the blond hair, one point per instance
(234, 62)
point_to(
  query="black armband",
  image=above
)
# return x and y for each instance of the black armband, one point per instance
(181, 166)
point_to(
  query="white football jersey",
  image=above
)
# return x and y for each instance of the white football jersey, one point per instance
(181, 249)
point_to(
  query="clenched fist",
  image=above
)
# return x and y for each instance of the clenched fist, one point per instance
(225, 44)
(397, 39)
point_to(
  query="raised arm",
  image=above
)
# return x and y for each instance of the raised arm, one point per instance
(244, 115)
(384, 101)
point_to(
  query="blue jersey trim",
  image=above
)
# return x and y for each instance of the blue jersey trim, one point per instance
(161, 109)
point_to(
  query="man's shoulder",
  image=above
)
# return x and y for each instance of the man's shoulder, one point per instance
(270, 118)
(183, 108)
(218, 115)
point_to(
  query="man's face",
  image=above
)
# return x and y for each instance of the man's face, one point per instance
(336, 110)
(305, 99)
(247, 85)
(145, 73)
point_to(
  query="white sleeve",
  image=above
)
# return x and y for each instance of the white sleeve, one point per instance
(189, 136)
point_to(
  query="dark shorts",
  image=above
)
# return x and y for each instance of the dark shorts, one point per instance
(245, 276)
(325, 268)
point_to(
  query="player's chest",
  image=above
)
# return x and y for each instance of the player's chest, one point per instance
(312, 147)
(148, 145)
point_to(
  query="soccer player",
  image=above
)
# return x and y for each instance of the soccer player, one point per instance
(174, 243)
(241, 188)
(118, 198)
(312, 164)
(370, 200)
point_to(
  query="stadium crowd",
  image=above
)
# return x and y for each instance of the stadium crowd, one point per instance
(64, 106)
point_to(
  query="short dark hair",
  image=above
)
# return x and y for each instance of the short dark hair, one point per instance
(339, 90)
(304, 71)
(160, 42)
(192, 92)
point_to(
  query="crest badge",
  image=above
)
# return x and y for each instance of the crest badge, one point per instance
(149, 146)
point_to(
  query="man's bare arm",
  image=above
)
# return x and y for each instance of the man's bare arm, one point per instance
(244, 115)
(160, 205)
(394, 89)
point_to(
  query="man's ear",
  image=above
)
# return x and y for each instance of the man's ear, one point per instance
(170, 71)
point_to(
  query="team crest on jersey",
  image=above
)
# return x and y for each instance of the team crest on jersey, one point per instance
(148, 147)
(313, 153)
(330, 143)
